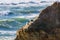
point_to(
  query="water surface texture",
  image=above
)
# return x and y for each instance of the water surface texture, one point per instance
(15, 15)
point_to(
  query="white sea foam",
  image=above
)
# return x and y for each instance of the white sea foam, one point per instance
(7, 32)
(24, 16)
(7, 37)
(4, 12)
(27, 16)
(17, 1)
(36, 2)
(12, 33)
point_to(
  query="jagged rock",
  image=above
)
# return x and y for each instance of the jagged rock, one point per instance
(45, 27)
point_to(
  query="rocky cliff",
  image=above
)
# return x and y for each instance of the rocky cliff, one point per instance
(45, 27)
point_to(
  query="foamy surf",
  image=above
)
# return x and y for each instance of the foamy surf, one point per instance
(7, 35)
(2, 32)
(7, 38)
(20, 14)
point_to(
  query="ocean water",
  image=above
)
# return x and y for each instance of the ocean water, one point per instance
(14, 16)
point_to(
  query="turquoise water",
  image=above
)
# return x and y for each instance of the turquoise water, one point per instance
(13, 17)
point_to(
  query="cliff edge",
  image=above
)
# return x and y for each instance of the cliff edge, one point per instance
(45, 27)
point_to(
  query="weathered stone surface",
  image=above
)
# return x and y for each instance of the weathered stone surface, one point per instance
(45, 27)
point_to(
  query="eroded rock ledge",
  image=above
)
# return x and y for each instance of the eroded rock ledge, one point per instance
(45, 27)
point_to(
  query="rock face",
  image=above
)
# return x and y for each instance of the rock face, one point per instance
(45, 27)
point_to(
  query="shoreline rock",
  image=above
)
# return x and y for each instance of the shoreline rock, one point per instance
(45, 27)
